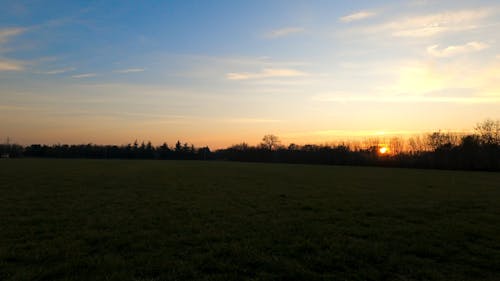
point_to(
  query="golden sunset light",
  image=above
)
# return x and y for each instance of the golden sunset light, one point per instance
(345, 72)
(249, 140)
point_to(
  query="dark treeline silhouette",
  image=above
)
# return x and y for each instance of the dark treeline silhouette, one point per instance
(478, 151)
(470, 154)
(129, 151)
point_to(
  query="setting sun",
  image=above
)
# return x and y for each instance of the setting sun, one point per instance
(383, 150)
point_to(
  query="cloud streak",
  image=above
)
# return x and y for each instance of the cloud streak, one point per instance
(6, 33)
(451, 51)
(265, 73)
(130, 70)
(57, 71)
(357, 16)
(251, 120)
(407, 99)
(11, 65)
(285, 32)
(433, 24)
(84, 75)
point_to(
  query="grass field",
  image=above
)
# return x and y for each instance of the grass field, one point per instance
(167, 220)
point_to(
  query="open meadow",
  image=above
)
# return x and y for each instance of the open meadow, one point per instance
(190, 220)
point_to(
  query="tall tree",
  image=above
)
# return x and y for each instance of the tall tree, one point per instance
(489, 131)
(270, 142)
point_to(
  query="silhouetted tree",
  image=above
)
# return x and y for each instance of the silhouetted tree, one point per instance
(396, 145)
(164, 151)
(438, 140)
(204, 153)
(489, 131)
(241, 146)
(270, 142)
(293, 146)
(178, 146)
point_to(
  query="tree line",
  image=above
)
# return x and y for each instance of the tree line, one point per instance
(438, 150)
(129, 151)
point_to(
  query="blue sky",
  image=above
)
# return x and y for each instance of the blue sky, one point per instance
(222, 72)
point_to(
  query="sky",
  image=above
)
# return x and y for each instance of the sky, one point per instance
(222, 72)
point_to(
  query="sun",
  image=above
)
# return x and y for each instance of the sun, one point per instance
(383, 150)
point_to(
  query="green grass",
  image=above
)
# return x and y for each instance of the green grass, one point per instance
(167, 220)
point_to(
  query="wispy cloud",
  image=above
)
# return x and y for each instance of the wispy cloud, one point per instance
(357, 16)
(251, 120)
(265, 73)
(284, 32)
(456, 50)
(11, 65)
(433, 24)
(406, 99)
(84, 75)
(57, 71)
(130, 70)
(6, 33)
(5, 36)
